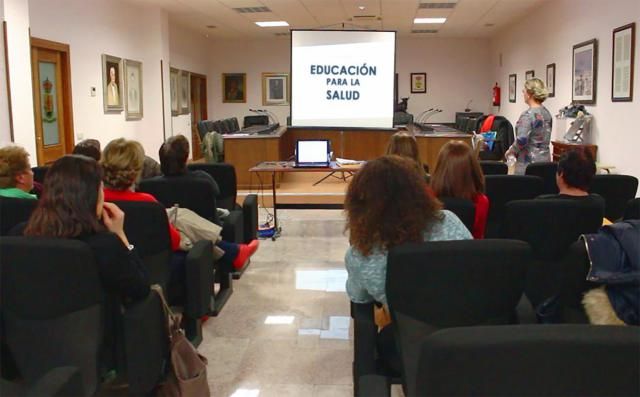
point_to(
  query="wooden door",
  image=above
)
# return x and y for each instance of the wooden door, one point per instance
(51, 99)
(198, 110)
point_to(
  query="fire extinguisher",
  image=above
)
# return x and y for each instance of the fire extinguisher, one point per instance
(496, 95)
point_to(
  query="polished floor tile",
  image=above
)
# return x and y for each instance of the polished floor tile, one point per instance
(297, 283)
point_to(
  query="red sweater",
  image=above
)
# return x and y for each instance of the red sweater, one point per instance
(482, 210)
(128, 195)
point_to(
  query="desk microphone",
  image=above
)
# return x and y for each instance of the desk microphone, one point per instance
(467, 108)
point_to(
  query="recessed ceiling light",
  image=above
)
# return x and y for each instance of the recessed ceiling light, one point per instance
(361, 8)
(271, 24)
(429, 20)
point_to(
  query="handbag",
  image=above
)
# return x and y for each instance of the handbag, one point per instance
(187, 375)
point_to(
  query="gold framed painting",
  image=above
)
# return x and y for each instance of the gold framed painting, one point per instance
(111, 83)
(275, 89)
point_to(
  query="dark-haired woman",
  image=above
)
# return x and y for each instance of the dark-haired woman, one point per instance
(72, 206)
(458, 174)
(387, 205)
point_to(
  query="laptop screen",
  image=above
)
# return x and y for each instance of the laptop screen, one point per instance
(312, 152)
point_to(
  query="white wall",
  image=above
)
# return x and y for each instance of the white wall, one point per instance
(114, 27)
(16, 13)
(458, 70)
(189, 51)
(547, 35)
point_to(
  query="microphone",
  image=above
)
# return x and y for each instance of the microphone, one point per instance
(467, 108)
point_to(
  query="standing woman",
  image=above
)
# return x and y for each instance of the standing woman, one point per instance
(533, 129)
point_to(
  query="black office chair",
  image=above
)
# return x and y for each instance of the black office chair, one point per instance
(255, 120)
(546, 170)
(464, 209)
(235, 126)
(500, 189)
(504, 138)
(632, 210)
(531, 360)
(14, 211)
(50, 287)
(146, 226)
(445, 284)
(550, 227)
(225, 176)
(492, 167)
(616, 190)
(59, 382)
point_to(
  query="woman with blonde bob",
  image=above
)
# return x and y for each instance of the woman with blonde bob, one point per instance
(458, 174)
(387, 204)
(533, 129)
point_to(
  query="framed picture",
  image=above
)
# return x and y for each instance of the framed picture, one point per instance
(585, 72)
(174, 85)
(529, 74)
(551, 79)
(111, 83)
(184, 92)
(513, 81)
(418, 83)
(275, 89)
(133, 89)
(234, 87)
(622, 62)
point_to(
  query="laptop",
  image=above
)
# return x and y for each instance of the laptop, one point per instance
(313, 153)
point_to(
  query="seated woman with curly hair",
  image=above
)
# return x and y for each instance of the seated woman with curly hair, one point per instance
(387, 205)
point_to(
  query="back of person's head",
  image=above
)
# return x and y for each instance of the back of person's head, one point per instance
(458, 172)
(405, 145)
(173, 156)
(535, 87)
(577, 168)
(387, 204)
(68, 206)
(122, 161)
(14, 161)
(89, 148)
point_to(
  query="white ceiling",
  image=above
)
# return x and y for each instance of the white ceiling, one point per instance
(469, 18)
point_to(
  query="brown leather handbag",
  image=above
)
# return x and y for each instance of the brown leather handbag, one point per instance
(188, 371)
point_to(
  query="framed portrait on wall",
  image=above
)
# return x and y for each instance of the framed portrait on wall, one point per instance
(418, 83)
(111, 83)
(622, 63)
(551, 79)
(174, 86)
(275, 89)
(234, 87)
(513, 81)
(184, 92)
(133, 89)
(529, 74)
(585, 72)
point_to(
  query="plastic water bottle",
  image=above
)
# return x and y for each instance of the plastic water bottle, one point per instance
(511, 160)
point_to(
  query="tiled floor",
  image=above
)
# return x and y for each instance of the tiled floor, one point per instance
(250, 358)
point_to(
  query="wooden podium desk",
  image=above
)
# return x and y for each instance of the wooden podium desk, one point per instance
(245, 151)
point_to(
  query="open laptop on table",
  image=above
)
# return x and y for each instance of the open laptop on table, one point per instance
(313, 153)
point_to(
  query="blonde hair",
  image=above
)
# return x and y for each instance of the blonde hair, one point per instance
(14, 160)
(122, 161)
(535, 87)
(405, 145)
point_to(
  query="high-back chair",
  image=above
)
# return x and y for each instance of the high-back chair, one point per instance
(531, 360)
(632, 210)
(51, 307)
(616, 190)
(546, 170)
(463, 208)
(14, 211)
(500, 189)
(255, 120)
(550, 226)
(225, 176)
(445, 284)
(192, 193)
(146, 226)
(493, 167)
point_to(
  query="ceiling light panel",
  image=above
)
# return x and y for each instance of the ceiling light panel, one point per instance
(272, 24)
(429, 20)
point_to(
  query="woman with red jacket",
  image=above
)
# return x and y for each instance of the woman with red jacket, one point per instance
(458, 174)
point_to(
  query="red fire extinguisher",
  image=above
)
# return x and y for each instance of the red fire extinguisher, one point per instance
(496, 95)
